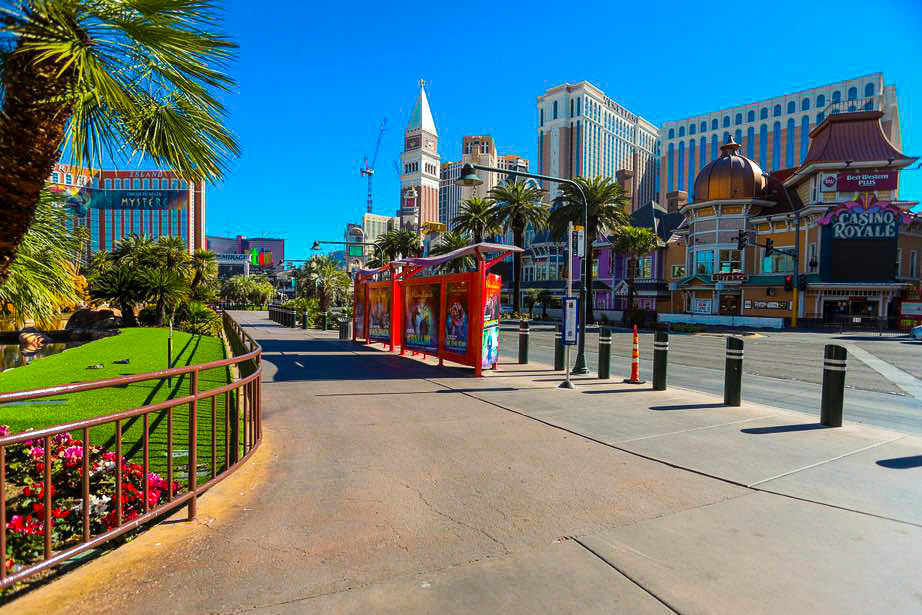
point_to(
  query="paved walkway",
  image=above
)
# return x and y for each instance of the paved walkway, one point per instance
(395, 486)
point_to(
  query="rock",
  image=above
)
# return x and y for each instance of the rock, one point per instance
(94, 320)
(97, 366)
(122, 362)
(31, 339)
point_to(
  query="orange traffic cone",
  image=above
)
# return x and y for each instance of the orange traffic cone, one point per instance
(635, 362)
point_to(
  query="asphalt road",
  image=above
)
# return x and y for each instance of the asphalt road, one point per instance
(781, 369)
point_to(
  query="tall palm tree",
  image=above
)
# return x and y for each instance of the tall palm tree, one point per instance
(547, 299)
(125, 79)
(409, 243)
(387, 246)
(171, 254)
(204, 267)
(166, 289)
(449, 242)
(633, 242)
(607, 203)
(518, 206)
(330, 280)
(476, 218)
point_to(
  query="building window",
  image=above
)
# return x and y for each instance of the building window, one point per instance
(763, 113)
(156, 184)
(852, 93)
(913, 266)
(763, 144)
(670, 166)
(776, 146)
(678, 271)
(776, 112)
(704, 125)
(869, 90)
(899, 262)
(836, 96)
(738, 119)
(703, 145)
(811, 258)
(869, 106)
(541, 121)
(137, 184)
(751, 116)
(789, 145)
(820, 117)
(691, 169)
(714, 124)
(820, 101)
(691, 129)
(571, 107)
(730, 261)
(681, 131)
(108, 184)
(54, 178)
(726, 121)
(681, 165)
(69, 179)
(804, 137)
(792, 107)
(805, 104)
(175, 184)
(672, 133)
(726, 137)
(643, 268)
(704, 262)
(555, 109)
(738, 136)
(778, 263)
(750, 142)
(714, 147)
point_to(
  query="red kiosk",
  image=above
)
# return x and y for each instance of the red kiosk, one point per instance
(452, 316)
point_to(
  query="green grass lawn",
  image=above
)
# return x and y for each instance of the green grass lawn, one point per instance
(146, 349)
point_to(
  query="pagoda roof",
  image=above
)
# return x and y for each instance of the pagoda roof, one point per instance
(852, 137)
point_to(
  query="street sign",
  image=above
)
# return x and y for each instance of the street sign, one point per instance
(570, 320)
(356, 250)
(579, 238)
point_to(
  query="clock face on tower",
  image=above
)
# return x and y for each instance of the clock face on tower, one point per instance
(412, 142)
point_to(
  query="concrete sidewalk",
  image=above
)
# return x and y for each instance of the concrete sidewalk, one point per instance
(396, 486)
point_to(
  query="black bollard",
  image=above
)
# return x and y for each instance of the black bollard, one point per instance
(833, 385)
(523, 342)
(660, 353)
(304, 320)
(326, 321)
(604, 353)
(558, 348)
(733, 372)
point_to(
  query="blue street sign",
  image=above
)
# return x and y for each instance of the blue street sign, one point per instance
(570, 320)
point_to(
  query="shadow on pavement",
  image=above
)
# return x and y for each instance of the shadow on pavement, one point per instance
(687, 407)
(617, 391)
(901, 463)
(784, 428)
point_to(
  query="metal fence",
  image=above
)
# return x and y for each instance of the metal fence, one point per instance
(100, 493)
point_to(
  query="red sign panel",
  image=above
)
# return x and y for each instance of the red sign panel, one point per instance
(865, 181)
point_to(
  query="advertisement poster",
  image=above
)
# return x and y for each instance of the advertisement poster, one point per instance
(490, 349)
(491, 301)
(421, 316)
(456, 319)
(360, 311)
(379, 313)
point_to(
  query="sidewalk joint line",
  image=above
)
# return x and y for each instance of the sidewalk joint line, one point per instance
(691, 429)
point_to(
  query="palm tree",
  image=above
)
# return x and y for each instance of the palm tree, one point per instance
(171, 254)
(449, 242)
(607, 203)
(330, 280)
(166, 289)
(547, 299)
(409, 243)
(518, 206)
(476, 218)
(125, 79)
(204, 267)
(387, 246)
(123, 286)
(531, 298)
(633, 242)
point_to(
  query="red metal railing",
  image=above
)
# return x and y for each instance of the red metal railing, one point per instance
(240, 426)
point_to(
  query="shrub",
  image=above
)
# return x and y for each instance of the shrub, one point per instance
(148, 316)
(682, 327)
(200, 319)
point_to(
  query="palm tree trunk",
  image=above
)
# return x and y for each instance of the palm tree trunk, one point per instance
(587, 268)
(128, 317)
(629, 308)
(31, 132)
(519, 240)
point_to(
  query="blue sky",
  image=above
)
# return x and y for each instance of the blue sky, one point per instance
(316, 80)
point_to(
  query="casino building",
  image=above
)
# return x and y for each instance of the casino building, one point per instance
(116, 204)
(859, 246)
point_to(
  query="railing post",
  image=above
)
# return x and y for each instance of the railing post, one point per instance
(833, 385)
(660, 353)
(733, 372)
(558, 349)
(604, 353)
(193, 444)
(523, 342)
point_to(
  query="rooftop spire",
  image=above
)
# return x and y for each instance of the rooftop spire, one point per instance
(421, 118)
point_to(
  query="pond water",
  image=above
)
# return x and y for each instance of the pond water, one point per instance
(11, 355)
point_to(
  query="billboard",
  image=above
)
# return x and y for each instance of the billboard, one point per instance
(860, 241)
(379, 313)
(489, 351)
(457, 319)
(133, 199)
(421, 316)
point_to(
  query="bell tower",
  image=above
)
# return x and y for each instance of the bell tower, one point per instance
(420, 167)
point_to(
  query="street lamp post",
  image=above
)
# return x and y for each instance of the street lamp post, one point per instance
(469, 178)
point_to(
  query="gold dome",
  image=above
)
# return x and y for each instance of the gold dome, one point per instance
(731, 176)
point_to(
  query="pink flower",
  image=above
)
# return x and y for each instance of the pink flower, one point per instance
(37, 452)
(62, 438)
(73, 455)
(108, 456)
(5, 430)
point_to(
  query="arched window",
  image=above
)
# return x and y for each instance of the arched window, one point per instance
(776, 146)
(763, 144)
(804, 136)
(776, 112)
(820, 101)
(691, 129)
(836, 96)
(750, 142)
(542, 117)
(869, 90)
(726, 137)
(670, 167)
(108, 183)
(791, 107)
(726, 121)
(704, 126)
(672, 133)
(714, 146)
(703, 146)
(714, 124)
(681, 165)
(738, 136)
(789, 145)
(137, 184)
(869, 106)
(763, 113)
(805, 104)
(681, 131)
(555, 109)
(738, 119)
(751, 116)
(852, 93)
(691, 169)
(820, 117)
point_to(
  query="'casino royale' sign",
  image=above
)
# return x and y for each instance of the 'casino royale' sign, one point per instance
(866, 218)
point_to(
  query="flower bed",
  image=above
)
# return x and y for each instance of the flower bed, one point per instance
(25, 497)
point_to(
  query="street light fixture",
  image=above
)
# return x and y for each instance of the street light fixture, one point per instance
(469, 178)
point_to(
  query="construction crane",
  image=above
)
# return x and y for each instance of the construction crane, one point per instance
(369, 169)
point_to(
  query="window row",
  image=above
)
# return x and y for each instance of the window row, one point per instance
(147, 184)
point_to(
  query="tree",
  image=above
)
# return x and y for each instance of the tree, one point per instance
(43, 279)
(531, 298)
(123, 286)
(632, 242)
(449, 242)
(607, 203)
(204, 268)
(518, 206)
(120, 79)
(166, 289)
(547, 299)
(477, 219)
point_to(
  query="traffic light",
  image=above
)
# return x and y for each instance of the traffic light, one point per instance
(801, 283)
(740, 239)
(788, 283)
(769, 247)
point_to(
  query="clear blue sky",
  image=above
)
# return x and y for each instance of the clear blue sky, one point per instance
(316, 79)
